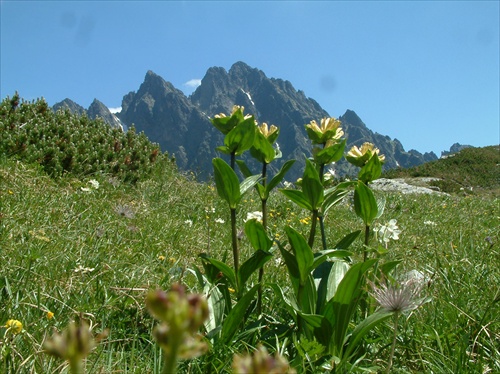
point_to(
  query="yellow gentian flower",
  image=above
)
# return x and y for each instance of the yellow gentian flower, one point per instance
(329, 129)
(360, 156)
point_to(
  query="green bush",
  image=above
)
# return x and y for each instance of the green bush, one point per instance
(63, 142)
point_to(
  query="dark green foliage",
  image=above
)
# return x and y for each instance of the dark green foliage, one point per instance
(63, 142)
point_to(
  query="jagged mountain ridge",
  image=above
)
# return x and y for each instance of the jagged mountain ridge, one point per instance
(181, 125)
(95, 110)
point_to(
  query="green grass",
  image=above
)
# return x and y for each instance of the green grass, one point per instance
(468, 170)
(96, 253)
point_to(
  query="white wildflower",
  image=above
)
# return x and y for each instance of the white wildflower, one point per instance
(254, 215)
(219, 220)
(189, 222)
(387, 232)
(94, 184)
(430, 223)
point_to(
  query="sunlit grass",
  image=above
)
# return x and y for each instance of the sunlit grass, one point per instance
(95, 253)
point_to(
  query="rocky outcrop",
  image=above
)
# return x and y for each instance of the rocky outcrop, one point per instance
(407, 186)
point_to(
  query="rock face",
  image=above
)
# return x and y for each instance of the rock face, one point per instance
(403, 186)
(181, 125)
(71, 105)
(96, 109)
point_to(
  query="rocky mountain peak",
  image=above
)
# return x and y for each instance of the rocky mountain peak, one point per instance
(71, 105)
(181, 125)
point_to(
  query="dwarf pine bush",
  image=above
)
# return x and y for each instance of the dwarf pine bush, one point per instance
(64, 142)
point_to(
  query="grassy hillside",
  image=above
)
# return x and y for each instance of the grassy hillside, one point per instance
(469, 169)
(90, 246)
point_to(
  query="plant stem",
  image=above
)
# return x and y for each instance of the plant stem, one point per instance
(321, 222)
(367, 241)
(393, 346)
(233, 159)
(322, 229)
(264, 224)
(76, 366)
(312, 234)
(234, 239)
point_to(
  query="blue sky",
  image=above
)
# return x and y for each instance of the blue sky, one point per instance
(424, 72)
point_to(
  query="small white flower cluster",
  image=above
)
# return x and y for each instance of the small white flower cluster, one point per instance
(254, 215)
(94, 185)
(430, 223)
(329, 175)
(387, 232)
(83, 270)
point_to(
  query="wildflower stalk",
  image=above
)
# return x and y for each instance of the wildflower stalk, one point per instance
(234, 240)
(312, 233)
(367, 242)
(75, 366)
(321, 222)
(393, 345)
(264, 224)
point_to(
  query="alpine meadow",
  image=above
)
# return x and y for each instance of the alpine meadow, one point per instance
(114, 260)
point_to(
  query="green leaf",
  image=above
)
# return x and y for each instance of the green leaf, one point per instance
(291, 264)
(225, 124)
(244, 168)
(322, 256)
(340, 309)
(279, 176)
(380, 206)
(262, 149)
(333, 197)
(223, 149)
(236, 315)
(257, 235)
(371, 170)
(311, 186)
(314, 320)
(247, 184)
(227, 183)
(362, 329)
(255, 262)
(303, 253)
(290, 305)
(327, 276)
(345, 242)
(333, 153)
(365, 204)
(222, 267)
(241, 137)
(298, 198)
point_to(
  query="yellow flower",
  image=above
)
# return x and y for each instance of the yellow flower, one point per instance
(161, 258)
(360, 156)
(50, 315)
(231, 290)
(267, 131)
(329, 129)
(14, 326)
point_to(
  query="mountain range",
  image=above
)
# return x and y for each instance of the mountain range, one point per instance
(181, 124)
